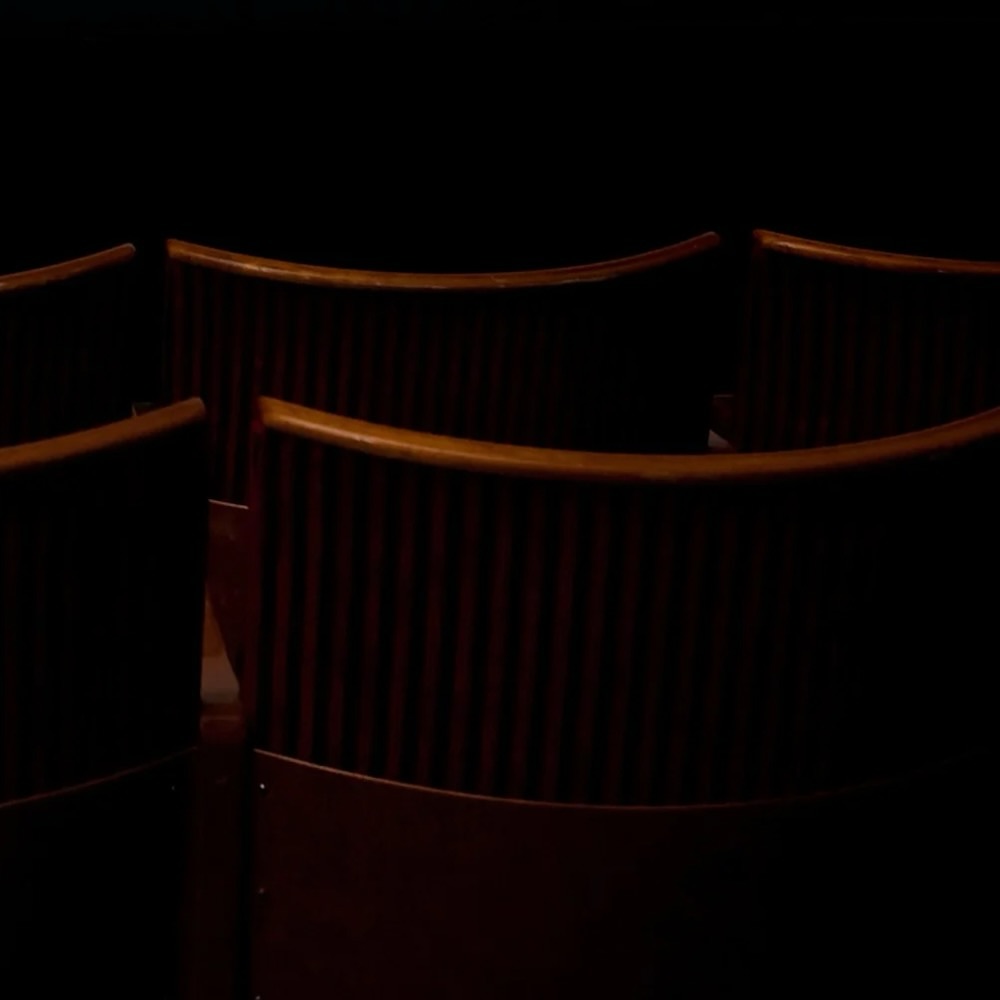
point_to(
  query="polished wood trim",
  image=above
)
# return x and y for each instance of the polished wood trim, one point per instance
(880, 259)
(336, 277)
(38, 276)
(516, 460)
(122, 433)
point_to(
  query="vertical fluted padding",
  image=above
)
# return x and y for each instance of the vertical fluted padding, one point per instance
(846, 345)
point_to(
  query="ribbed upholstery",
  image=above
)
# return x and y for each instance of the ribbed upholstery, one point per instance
(65, 352)
(611, 356)
(673, 633)
(102, 539)
(843, 344)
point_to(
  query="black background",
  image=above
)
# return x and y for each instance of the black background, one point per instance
(440, 135)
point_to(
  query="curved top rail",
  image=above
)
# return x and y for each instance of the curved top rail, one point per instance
(38, 276)
(878, 259)
(679, 470)
(336, 277)
(121, 434)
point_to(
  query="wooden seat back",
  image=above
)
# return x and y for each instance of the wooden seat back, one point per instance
(366, 888)
(618, 628)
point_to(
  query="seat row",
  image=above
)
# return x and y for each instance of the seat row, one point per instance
(513, 718)
(837, 345)
(467, 665)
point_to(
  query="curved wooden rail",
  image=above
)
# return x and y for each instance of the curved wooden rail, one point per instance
(38, 277)
(679, 470)
(835, 253)
(107, 438)
(352, 278)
